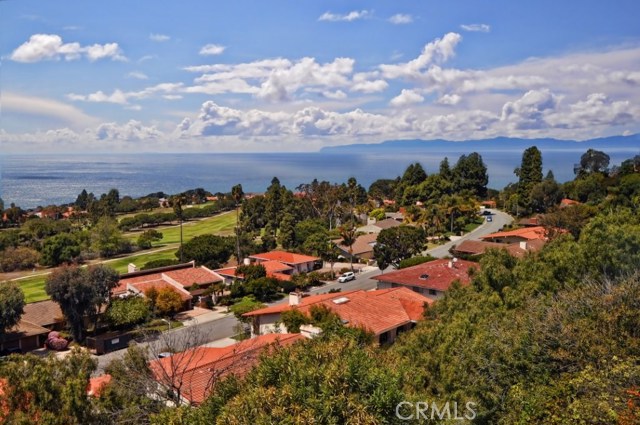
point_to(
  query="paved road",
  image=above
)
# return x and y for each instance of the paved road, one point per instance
(499, 220)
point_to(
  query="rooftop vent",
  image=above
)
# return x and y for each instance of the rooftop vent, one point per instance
(424, 276)
(341, 300)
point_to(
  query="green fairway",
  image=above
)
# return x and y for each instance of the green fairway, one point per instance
(141, 259)
(222, 225)
(33, 288)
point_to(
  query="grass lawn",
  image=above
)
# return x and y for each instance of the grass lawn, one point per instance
(139, 260)
(222, 225)
(473, 225)
(33, 288)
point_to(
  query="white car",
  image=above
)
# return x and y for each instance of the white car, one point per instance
(346, 277)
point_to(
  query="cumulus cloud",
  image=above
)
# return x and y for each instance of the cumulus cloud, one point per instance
(531, 110)
(50, 47)
(437, 51)
(406, 97)
(159, 37)
(476, 27)
(400, 19)
(212, 49)
(132, 131)
(449, 99)
(349, 17)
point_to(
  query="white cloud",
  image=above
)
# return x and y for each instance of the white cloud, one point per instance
(50, 47)
(138, 75)
(437, 51)
(476, 27)
(349, 17)
(212, 49)
(449, 99)
(159, 37)
(406, 97)
(132, 131)
(400, 19)
(531, 110)
(47, 108)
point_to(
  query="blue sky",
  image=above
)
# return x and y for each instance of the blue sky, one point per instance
(298, 75)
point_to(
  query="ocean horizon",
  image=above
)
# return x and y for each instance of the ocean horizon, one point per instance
(32, 180)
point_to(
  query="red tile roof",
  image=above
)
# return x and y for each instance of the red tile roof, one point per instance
(197, 275)
(97, 384)
(377, 311)
(273, 269)
(528, 233)
(159, 284)
(439, 275)
(480, 247)
(284, 257)
(195, 370)
(568, 202)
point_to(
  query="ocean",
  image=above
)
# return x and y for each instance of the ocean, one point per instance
(39, 180)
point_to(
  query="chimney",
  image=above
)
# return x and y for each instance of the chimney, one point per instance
(450, 264)
(295, 298)
(246, 261)
(132, 268)
(523, 245)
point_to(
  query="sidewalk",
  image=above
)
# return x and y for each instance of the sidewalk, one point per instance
(202, 315)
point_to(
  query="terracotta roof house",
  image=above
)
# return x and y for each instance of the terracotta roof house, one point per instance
(97, 384)
(192, 373)
(531, 221)
(362, 247)
(186, 279)
(299, 263)
(519, 250)
(430, 279)
(385, 313)
(568, 202)
(518, 235)
(379, 226)
(274, 269)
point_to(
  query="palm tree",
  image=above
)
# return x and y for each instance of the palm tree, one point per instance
(237, 194)
(348, 235)
(176, 202)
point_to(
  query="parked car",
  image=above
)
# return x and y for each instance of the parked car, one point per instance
(489, 219)
(346, 277)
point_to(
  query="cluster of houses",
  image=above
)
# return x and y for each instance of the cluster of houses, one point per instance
(395, 306)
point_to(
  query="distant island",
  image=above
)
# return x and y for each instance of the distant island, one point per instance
(495, 144)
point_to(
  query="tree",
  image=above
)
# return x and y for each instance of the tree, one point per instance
(397, 243)
(168, 302)
(146, 239)
(59, 249)
(207, 250)
(127, 312)
(545, 195)
(237, 194)
(529, 174)
(470, 174)
(20, 258)
(593, 161)
(382, 189)
(287, 236)
(251, 271)
(11, 305)
(80, 293)
(245, 305)
(48, 390)
(176, 203)
(107, 239)
(293, 319)
(348, 233)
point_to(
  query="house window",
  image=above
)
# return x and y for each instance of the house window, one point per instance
(384, 338)
(433, 292)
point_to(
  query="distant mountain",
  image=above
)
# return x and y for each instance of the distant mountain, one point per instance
(486, 145)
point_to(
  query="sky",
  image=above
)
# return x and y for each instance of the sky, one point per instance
(292, 75)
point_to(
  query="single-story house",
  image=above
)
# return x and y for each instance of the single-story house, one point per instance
(431, 279)
(274, 269)
(362, 247)
(385, 313)
(186, 279)
(191, 374)
(519, 250)
(519, 235)
(46, 314)
(25, 336)
(379, 226)
(299, 263)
